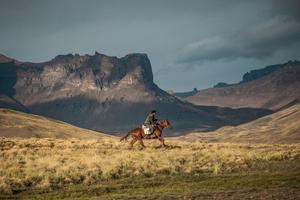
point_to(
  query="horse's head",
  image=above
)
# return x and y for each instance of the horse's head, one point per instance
(165, 123)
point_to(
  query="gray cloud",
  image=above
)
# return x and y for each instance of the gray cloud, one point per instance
(260, 41)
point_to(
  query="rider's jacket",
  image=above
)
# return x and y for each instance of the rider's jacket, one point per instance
(150, 120)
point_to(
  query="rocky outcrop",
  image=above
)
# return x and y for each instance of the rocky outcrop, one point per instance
(221, 84)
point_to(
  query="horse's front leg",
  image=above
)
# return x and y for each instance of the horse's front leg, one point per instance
(162, 141)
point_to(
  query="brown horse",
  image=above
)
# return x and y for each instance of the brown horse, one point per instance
(138, 134)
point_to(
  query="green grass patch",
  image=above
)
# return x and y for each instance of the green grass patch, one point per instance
(164, 187)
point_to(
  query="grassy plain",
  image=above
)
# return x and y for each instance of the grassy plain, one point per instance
(107, 169)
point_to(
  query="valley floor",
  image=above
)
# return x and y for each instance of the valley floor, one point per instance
(107, 169)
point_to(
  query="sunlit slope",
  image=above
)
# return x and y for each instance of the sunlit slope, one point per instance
(272, 91)
(19, 124)
(280, 127)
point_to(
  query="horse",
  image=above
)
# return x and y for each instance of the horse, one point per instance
(138, 134)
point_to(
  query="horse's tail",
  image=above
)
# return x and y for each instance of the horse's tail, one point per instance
(125, 137)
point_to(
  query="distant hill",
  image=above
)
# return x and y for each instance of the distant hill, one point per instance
(280, 127)
(272, 87)
(186, 94)
(19, 124)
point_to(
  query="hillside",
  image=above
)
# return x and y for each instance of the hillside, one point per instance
(280, 127)
(272, 88)
(11, 103)
(18, 124)
(106, 93)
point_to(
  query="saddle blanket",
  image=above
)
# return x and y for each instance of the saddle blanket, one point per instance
(146, 130)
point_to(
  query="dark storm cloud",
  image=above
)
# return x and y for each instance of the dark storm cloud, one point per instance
(285, 7)
(260, 41)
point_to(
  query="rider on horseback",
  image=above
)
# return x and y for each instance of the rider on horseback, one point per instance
(149, 123)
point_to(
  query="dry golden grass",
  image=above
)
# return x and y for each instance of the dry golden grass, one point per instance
(50, 163)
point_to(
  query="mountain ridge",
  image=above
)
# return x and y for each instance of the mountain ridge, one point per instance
(271, 91)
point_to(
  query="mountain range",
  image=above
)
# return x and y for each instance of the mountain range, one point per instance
(105, 93)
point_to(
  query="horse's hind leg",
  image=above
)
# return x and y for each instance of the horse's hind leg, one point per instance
(162, 141)
(132, 142)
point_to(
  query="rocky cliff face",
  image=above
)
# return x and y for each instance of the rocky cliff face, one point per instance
(106, 93)
(99, 77)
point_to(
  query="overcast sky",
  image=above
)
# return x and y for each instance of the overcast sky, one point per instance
(190, 43)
